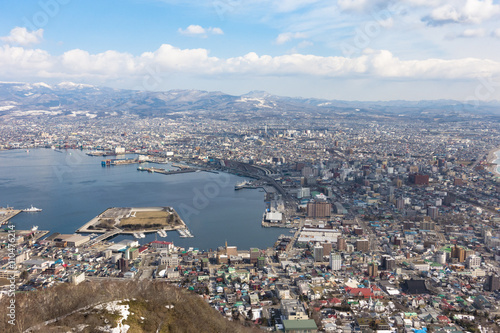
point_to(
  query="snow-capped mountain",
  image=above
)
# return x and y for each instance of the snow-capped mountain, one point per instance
(68, 98)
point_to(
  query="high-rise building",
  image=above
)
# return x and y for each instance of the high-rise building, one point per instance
(427, 225)
(318, 253)
(492, 283)
(341, 244)
(433, 212)
(458, 253)
(254, 255)
(400, 204)
(440, 257)
(123, 265)
(362, 245)
(335, 261)
(473, 261)
(261, 262)
(319, 209)
(327, 249)
(388, 263)
(372, 269)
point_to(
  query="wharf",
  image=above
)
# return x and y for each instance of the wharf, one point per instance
(7, 213)
(110, 162)
(166, 172)
(131, 220)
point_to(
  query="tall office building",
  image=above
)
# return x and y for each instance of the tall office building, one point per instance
(362, 245)
(440, 257)
(458, 253)
(254, 255)
(433, 212)
(335, 261)
(319, 209)
(372, 269)
(341, 244)
(473, 261)
(327, 249)
(492, 283)
(388, 263)
(318, 253)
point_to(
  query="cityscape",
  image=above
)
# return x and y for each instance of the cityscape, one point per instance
(387, 223)
(228, 166)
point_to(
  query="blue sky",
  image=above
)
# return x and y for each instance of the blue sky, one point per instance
(335, 49)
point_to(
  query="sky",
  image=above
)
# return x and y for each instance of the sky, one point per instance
(336, 49)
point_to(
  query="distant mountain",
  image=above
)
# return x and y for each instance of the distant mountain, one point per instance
(83, 100)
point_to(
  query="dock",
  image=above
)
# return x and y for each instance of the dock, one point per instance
(110, 162)
(7, 213)
(166, 172)
(113, 218)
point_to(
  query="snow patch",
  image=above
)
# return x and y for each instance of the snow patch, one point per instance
(6, 107)
(258, 102)
(122, 310)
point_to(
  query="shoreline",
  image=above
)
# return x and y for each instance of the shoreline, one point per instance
(491, 158)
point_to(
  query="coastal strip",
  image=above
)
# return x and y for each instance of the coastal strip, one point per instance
(491, 158)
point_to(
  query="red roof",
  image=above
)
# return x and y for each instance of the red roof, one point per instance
(161, 242)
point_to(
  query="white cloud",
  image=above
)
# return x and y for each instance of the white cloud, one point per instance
(464, 11)
(288, 36)
(216, 31)
(17, 62)
(193, 30)
(198, 30)
(21, 36)
(473, 33)
(496, 33)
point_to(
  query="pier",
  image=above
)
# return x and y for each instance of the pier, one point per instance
(7, 213)
(166, 172)
(134, 220)
(110, 162)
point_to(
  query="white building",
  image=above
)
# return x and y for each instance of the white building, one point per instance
(335, 262)
(473, 261)
(440, 257)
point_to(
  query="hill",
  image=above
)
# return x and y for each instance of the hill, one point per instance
(139, 306)
(69, 99)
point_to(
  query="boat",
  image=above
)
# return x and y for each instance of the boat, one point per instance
(184, 233)
(32, 209)
(162, 233)
(136, 235)
(142, 235)
(34, 228)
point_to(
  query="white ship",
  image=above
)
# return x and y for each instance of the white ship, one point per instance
(32, 209)
(184, 233)
(136, 235)
(34, 228)
(162, 233)
(141, 235)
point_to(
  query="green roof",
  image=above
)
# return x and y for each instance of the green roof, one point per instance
(307, 324)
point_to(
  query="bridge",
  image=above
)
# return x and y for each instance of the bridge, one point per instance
(105, 236)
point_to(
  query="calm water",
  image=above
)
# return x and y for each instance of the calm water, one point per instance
(72, 188)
